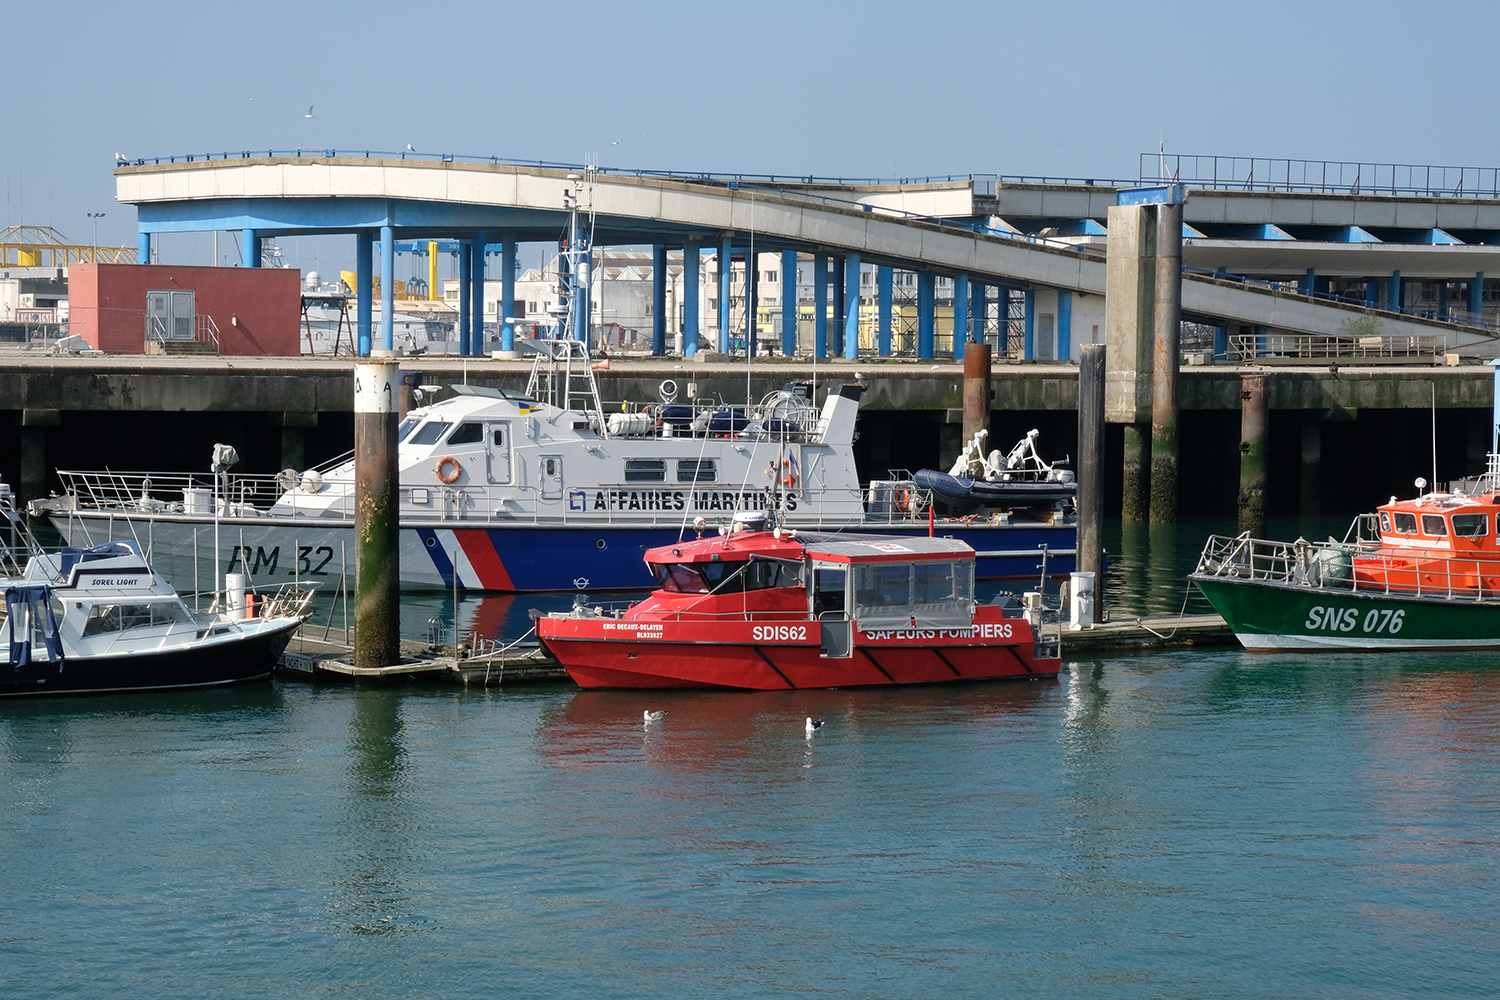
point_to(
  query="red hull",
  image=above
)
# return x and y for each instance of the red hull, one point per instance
(600, 662)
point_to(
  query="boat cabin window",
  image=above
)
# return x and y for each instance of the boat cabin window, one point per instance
(645, 470)
(1471, 525)
(726, 577)
(122, 617)
(1406, 524)
(467, 433)
(696, 470)
(889, 595)
(828, 588)
(1435, 525)
(1385, 522)
(429, 432)
(406, 428)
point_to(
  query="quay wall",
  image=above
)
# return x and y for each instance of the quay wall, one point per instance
(1340, 440)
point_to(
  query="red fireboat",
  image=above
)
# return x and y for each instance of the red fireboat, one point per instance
(771, 610)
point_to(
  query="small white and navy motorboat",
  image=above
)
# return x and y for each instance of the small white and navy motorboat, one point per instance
(101, 620)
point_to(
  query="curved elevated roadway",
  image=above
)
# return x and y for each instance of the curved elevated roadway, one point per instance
(426, 198)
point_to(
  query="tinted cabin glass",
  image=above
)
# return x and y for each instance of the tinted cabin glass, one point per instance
(677, 578)
(932, 583)
(879, 585)
(1470, 525)
(467, 434)
(429, 432)
(1385, 521)
(1433, 524)
(1406, 524)
(102, 618)
(692, 470)
(645, 470)
(406, 428)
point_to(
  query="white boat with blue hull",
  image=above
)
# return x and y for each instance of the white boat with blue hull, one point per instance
(546, 488)
(101, 620)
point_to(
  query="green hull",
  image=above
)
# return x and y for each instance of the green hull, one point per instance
(1279, 617)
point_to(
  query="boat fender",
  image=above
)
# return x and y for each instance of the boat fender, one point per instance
(451, 477)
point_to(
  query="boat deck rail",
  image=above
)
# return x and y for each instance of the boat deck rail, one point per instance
(1353, 567)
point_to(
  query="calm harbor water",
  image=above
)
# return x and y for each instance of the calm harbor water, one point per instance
(1184, 824)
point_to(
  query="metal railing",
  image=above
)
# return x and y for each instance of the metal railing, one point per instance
(1255, 173)
(1273, 347)
(1357, 566)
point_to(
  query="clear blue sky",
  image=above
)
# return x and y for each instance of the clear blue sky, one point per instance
(853, 89)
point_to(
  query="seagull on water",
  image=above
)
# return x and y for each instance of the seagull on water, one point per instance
(309, 111)
(651, 716)
(813, 725)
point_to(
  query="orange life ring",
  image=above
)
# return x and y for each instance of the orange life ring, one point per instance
(458, 470)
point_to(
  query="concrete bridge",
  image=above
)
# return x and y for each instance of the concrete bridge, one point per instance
(928, 228)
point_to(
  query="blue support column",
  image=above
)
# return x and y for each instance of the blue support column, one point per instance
(364, 288)
(926, 313)
(1029, 341)
(476, 288)
(1372, 293)
(1002, 310)
(752, 304)
(840, 307)
(1443, 298)
(1260, 341)
(1309, 283)
(691, 279)
(1476, 294)
(884, 282)
(507, 292)
(1064, 325)
(789, 303)
(465, 272)
(960, 315)
(249, 248)
(387, 287)
(1393, 291)
(979, 309)
(658, 300)
(726, 272)
(820, 306)
(851, 321)
(143, 248)
(1221, 341)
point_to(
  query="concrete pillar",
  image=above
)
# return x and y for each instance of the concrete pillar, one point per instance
(465, 273)
(789, 303)
(726, 273)
(926, 313)
(1135, 495)
(249, 248)
(884, 282)
(1393, 291)
(976, 390)
(388, 288)
(33, 482)
(1030, 327)
(1312, 463)
(143, 248)
(820, 306)
(851, 321)
(691, 280)
(507, 293)
(476, 289)
(1064, 325)
(1167, 320)
(840, 308)
(364, 266)
(1129, 332)
(1372, 293)
(1090, 500)
(1476, 294)
(1253, 456)
(377, 619)
(960, 316)
(293, 447)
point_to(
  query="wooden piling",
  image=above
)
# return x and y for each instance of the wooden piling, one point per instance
(1253, 456)
(1090, 501)
(377, 632)
(976, 389)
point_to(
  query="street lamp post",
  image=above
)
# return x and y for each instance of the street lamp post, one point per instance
(96, 216)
